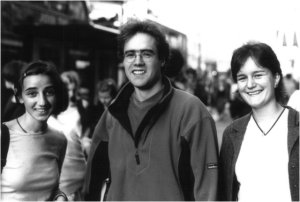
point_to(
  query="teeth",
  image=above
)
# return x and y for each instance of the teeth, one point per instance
(254, 93)
(41, 110)
(138, 72)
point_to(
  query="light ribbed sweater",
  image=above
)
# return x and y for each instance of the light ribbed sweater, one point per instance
(33, 165)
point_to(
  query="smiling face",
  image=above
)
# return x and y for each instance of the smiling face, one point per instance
(144, 71)
(256, 84)
(104, 97)
(38, 96)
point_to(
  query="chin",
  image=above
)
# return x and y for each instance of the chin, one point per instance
(43, 117)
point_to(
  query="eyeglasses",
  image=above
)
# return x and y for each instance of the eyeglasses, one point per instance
(146, 55)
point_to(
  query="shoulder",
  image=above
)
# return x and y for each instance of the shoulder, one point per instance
(57, 134)
(293, 117)
(239, 124)
(10, 124)
(185, 100)
(185, 96)
(292, 111)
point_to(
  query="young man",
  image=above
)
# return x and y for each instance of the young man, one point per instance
(160, 142)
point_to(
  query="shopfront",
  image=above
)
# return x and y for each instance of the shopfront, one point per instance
(59, 32)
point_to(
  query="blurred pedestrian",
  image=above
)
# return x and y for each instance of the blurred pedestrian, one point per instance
(71, 124)
(106, 90)
(259, 157)
(173, 68)
(158, 142)
(222, 96)
(191, 80)
(10, 75)
(36, 150)
(74, 117)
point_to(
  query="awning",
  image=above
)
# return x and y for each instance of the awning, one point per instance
(75, 33)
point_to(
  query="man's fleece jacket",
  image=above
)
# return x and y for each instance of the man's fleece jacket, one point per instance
(172, 156)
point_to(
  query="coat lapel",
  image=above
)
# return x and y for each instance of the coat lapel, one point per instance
(238, 134)
(293, 128)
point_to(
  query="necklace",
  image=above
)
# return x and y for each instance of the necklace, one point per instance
(25, 131)
(271, 126)
(21, 126)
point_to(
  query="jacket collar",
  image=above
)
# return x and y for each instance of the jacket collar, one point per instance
(238, 132)
(119, 105)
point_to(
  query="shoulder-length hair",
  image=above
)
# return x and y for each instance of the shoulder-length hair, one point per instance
(264, 56)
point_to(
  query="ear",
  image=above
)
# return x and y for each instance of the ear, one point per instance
(18, 98)
(277, 79)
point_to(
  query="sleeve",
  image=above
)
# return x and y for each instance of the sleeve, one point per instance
(56, 193)
(222, 187)
(62, 152)
(225, 171)
(5, 139)
(98, 162)
(202, 139)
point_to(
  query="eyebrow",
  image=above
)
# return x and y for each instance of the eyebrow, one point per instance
(133, 50)
(255, 72)
(35, 88)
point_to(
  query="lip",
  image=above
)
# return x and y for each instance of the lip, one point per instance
(42, 110)
(138, 71)
(252, 93)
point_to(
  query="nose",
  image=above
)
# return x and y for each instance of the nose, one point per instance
(42, 100)
(250, 83)
(138, 59)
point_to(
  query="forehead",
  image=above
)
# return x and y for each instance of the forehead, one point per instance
(140, 41)
(37, 81)
(251, 66)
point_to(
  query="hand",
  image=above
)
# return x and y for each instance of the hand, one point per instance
(61, 198)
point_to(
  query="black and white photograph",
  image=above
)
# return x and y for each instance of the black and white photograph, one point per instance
(150, 100)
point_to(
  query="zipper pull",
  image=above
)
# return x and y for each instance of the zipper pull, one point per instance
(137, 158)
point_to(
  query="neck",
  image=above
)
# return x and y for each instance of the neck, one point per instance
(30, 125)
(269, 111)
(144, 94)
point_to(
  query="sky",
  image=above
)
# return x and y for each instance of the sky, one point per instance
(223, 25)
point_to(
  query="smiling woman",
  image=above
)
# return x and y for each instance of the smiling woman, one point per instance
(264, 143)
(36, 150)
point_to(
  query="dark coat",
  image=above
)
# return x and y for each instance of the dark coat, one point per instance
(231, 145)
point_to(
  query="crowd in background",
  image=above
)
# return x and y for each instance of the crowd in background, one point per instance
(215, 89)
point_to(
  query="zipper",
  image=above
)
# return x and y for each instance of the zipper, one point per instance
(137, 157)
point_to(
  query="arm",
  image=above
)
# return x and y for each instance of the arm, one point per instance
(58, 195)
(5, 139)
(224, 168)
(202, 138)
(98, 162)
